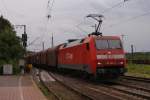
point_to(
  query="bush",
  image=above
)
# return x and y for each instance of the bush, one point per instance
(16, 69)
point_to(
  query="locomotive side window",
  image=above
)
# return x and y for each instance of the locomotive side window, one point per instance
(74, 43)
(64, 45)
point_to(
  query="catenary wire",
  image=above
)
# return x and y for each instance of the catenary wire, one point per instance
(130, 19)
(106, 10)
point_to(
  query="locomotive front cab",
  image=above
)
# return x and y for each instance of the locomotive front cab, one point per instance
(110, 56)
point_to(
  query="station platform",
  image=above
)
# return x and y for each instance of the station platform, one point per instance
(19, 88)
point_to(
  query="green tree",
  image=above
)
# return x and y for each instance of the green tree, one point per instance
(10, 44)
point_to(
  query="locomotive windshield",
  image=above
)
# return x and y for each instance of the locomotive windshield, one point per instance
(108, 44)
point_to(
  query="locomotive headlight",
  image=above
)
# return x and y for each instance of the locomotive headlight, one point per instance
(121, 62)
(99, 63)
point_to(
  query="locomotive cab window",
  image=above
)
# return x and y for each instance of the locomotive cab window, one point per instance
(114, 44)
(108, 44)
(101, 44)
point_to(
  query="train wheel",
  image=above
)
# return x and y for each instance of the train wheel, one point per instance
(93, 77)
(85, 75)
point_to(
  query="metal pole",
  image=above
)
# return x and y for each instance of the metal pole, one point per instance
(122, 38)
(95, 27)
(132, 53)
(43, 45)
(98, 27)
(52, 41)
(24, 26)
(24, 29)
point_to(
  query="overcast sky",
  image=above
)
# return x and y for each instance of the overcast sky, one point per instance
(69, 15)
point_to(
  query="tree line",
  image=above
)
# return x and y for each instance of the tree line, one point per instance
(10, 44)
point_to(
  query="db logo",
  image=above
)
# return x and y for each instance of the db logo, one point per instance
(69, 56)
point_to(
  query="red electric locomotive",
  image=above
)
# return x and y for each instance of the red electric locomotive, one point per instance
(97, 55)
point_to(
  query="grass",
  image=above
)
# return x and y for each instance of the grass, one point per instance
(139, 70)
(139, 56)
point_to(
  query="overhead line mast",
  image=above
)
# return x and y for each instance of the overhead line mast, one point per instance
(49, 7)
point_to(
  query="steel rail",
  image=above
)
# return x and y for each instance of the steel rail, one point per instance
(71, 88)
(146, 80)
(132, 86)
(45, 86)
(91, 88)
(143, 96)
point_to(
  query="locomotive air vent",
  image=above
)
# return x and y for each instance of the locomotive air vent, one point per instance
(71, 40)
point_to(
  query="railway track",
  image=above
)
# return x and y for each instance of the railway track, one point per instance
(62, 91)
(56, 97)
(79, 89)
(117, 90)
(136, 91)
(42, 86)
(135, 82)
(146, 80)
(84, 90)
(137, 87)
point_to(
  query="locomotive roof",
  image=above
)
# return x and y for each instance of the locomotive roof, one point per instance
(106, 37)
